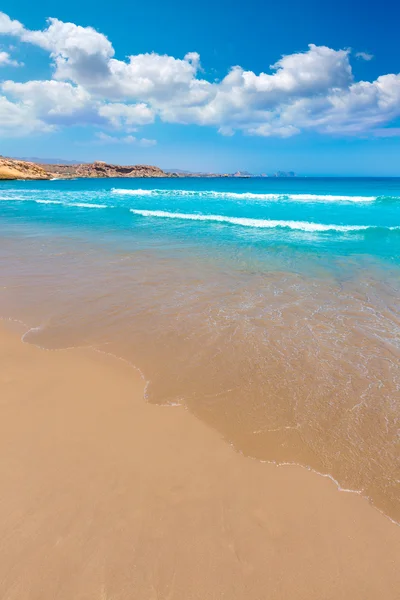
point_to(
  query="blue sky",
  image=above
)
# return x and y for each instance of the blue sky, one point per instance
(198, 91)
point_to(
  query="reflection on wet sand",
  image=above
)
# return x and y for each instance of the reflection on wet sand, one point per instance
(288, 368)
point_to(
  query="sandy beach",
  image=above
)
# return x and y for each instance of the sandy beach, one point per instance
(106, 496)
(199, 302)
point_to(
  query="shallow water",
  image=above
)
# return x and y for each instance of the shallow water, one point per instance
(269, 307)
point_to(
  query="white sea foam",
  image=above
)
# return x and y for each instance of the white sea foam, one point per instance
(258, 223)
(139, 192)
(77, 204)
(86, 205)
(330, 198)
(244, 195)
(48, 201)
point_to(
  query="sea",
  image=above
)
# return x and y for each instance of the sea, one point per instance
(268, 307)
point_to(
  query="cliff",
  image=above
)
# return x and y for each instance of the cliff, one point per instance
(102, 169)
(20, 169)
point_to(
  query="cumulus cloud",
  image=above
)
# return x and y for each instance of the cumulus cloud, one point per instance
(16, 120)
(61, 103)
(78, 53)
(10, 27)
(313, 90)
(54, 101)
(126, 115)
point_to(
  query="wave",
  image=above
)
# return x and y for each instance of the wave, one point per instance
(331, 198)
(305, 226)
(77, 204)
(46, 201)
(213, 194)
(258, 223)
(140, 192)
(88, 205)
(245, 195)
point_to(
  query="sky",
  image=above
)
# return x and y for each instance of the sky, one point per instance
(219, 86)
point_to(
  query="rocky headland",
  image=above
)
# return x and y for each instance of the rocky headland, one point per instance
(11, 168)
(20, 169)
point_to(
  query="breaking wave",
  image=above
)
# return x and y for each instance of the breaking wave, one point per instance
(258, 223)
(246, 195)
(294, 225)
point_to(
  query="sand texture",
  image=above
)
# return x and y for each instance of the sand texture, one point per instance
(106, 497)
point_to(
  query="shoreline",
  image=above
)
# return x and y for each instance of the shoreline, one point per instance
(107, 494)
(275, 463)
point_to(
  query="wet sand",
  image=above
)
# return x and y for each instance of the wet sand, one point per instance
(105, 496)
(288, 367)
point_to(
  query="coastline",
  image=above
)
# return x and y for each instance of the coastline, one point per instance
(108, 496)
(12, 169)
(150, 304)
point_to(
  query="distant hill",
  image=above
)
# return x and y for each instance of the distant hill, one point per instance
(52, 168)
(11, 168)
(47, 161)
(183, 173)
(99, 169)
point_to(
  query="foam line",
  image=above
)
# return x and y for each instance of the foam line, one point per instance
(258, 223)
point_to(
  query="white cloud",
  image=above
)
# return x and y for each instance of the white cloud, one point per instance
(10, 27)
(364, 56)
(147, 143)
(7, 61)
(61, 103)
(356, 110)
(304, 73)
(16, 120)
(305, 91)
(78, 53)
(126, 115)
(49, 98)
(105, 138)
(273, 130)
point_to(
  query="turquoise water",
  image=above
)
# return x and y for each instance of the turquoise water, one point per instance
(269, 307)
(322, 216)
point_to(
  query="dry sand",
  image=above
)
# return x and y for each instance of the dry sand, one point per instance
(106, 497)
